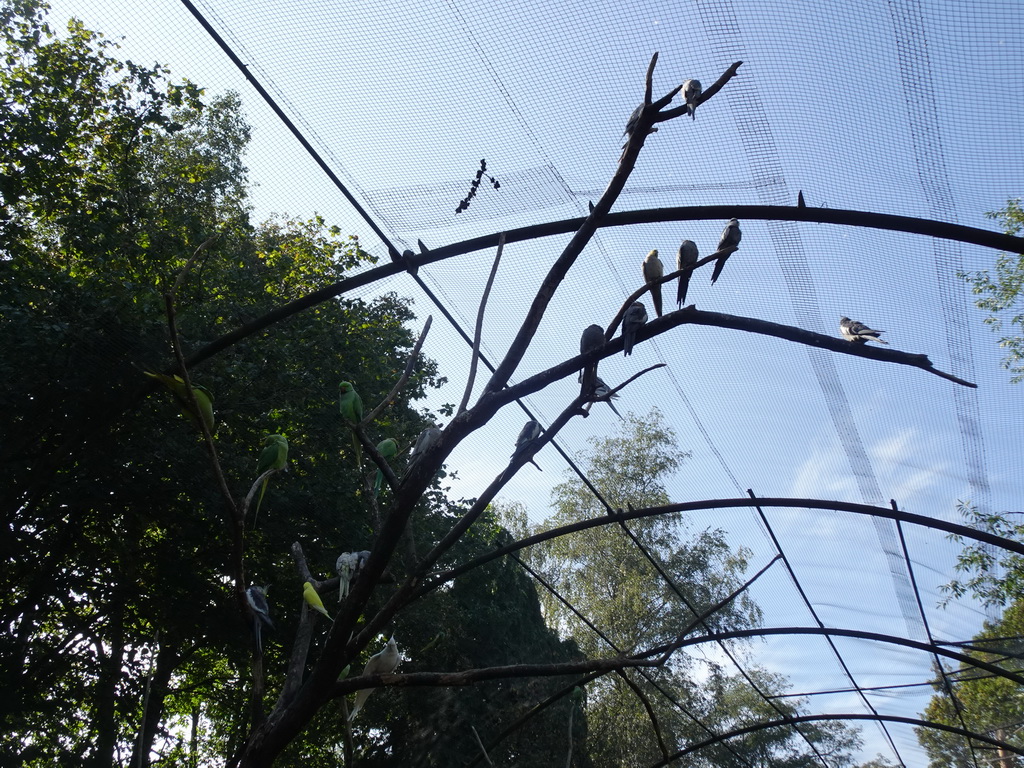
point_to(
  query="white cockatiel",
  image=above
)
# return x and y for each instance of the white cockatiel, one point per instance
(856, 331)
(383, 662)
(690, 93)
(348, 566)
(653, 269)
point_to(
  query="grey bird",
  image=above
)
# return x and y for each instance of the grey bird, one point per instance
(256, 597)
(527, 440)
(384, 662)
(632, 321)
(592, 338)
(653, 269)
(601, 391)
(348, 566)
(731, 235)
(690, 93)
(856, 331)
(427, 438)
(686, 257)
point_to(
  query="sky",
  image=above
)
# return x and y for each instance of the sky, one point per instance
(904, 107)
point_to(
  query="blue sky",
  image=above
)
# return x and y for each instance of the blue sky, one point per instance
(900, 107)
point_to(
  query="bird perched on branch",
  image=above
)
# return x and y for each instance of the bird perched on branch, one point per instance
(731, 236)
(348, 566)
(387, 448)
(204, 399)
(256, 597)
(686, 257)
(591, 339)
(602, 390)
(690, 93)
(632, 321)
(384, 662)
(856, 331)
(427, 438)
(274, 456)
(350, 405)
(527, 440)
(653, 270)
(310, 594)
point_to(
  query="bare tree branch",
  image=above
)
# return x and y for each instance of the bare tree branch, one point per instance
(475, 358)
(647, 706)
(481, 745)
(409, 365)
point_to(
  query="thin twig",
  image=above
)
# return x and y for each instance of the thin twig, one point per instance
(726, 76)
(481, 745)
(474, 359)
(568, 759)
(409, 365)
(192, 260)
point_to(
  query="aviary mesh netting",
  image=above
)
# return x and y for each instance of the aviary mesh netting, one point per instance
(903, 107)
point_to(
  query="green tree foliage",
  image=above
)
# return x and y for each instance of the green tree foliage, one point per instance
(1000, 294)
(603, 574)
(981, 702)
(117, 557)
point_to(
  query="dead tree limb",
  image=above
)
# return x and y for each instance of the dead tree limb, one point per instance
(474, 360)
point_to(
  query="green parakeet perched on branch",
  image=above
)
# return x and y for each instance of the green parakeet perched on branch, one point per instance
(204, 399)
(386, 448)
(309, 592)
(351, 407)
(274, 456)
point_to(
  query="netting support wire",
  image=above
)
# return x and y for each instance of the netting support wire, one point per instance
(608, 641)
(821, 624)
(947, 685)
(393, 252)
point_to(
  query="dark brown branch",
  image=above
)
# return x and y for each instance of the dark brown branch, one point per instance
(928, 227)
(303, 636)
(474, 360)
(409, 365)
(614, 325)
(649, 79)
(705, 95)
(575, 246)
(650, 710)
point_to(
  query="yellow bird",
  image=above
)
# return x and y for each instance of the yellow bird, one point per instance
(313, 599)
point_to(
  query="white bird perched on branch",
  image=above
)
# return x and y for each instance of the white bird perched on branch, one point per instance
(690, 93)
(653, 270)
(632, 321)
(256, 597)
(348, 566)
(383, 662)
(731, 235)
(856, 331)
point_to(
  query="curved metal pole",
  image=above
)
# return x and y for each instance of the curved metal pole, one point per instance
(837, 717)
(693, 506)
(413, 261)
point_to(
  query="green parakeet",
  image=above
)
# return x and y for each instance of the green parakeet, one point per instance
(351, 407)
(310, 593)
(273, 456)
(386, 448)
(176, 386)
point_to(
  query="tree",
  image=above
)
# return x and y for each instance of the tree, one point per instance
(603, 574)
(1000, 294)
(128, 247)
(993, 706)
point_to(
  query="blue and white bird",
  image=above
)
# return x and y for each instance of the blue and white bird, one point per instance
(857, 332)
(632, 321)
(256, 597)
